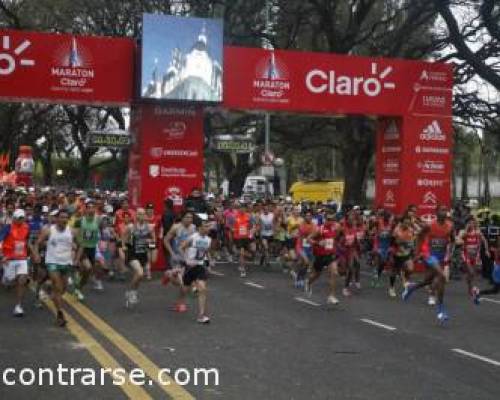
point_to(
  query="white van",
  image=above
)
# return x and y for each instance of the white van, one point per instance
(258, 185)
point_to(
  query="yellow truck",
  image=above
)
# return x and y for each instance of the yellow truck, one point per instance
(322, 191)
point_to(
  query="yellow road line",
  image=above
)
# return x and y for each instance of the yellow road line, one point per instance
(105, 359)
(175, 391)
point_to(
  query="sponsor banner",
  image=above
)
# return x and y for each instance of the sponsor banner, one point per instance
(61, 68)
(325, 83)
(170, 141)
(109, 140)
(428, 164)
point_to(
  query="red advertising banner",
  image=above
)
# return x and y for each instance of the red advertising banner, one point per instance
(60, 68)
(388, 164)
(333, 84)
(166, 160)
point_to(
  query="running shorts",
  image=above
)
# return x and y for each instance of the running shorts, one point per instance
(320, 262)
(196, 273)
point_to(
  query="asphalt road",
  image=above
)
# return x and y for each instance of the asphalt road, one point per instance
(267, 341)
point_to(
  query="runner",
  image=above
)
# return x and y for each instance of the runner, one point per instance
(350, 251)
(60, 242)
(471, 239)
(197, 260)
(14, 238)
(324, 246)
(241, 235)
(177, 235)
(404, 247)
(155, 224)
(304, 249)
(266, 226)
(140, 236)
(433, 248)
(382, 245)
(87, 229)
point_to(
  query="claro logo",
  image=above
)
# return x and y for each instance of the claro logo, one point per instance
(320, 81)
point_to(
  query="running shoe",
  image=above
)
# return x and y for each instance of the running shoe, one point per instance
(60, 320)
(79, 295)
(179, 307)
(18, 311)
(332, 300)
(475, 296)
(98, 285)
(308, 288)
(203, 319)
(243, 273)
(165, 279)
(392, 292)
(441, 313)
(357, 285)
(431, 301)
(346, 292)
(409, 288)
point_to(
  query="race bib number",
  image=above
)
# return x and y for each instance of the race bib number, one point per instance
(329, 244)
(19, 248)
(243, 230)
(88, 235)
(305, 243)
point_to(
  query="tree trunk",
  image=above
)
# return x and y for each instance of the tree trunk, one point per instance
(358, 147)
(465, 176)
(487, 193)
(47, 161)
(236, 175)
(83, 178)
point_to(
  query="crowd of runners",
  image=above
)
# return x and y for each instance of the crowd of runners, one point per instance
(55, 242)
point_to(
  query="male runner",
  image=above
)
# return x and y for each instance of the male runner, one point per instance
(60, 244)
(197, 261)
(141, 236)
(404, 246)
(324, 247)
(14, 238)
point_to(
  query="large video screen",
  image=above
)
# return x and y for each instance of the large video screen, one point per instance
(181, 58)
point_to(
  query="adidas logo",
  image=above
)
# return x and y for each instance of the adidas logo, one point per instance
(433, 132)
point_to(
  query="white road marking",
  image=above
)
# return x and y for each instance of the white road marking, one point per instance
(477, 357)
(310, 302)
(490, 300)
(378, 324)
(216, 273)
(255, 285)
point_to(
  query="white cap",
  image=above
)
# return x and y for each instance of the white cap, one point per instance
(19, 213)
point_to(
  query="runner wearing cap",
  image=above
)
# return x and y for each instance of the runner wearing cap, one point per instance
(241, 233)
(14, 238)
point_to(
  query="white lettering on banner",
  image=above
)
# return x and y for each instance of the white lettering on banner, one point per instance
(9, 60)
(429, 201)
(172, 172)
(389, 197)
(436, 76)
(154, 171)
(159, 152)
(175, 130)
(391, 165)
(178, 111)
(390, 181)
(432, 150)
(73, 72)
(432, 167)
(434, 101)
(391, 149)
(392, 131)
(430, 182)
(433, 132)
(319, 81)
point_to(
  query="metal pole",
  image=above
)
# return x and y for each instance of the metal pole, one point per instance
(267, 138)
